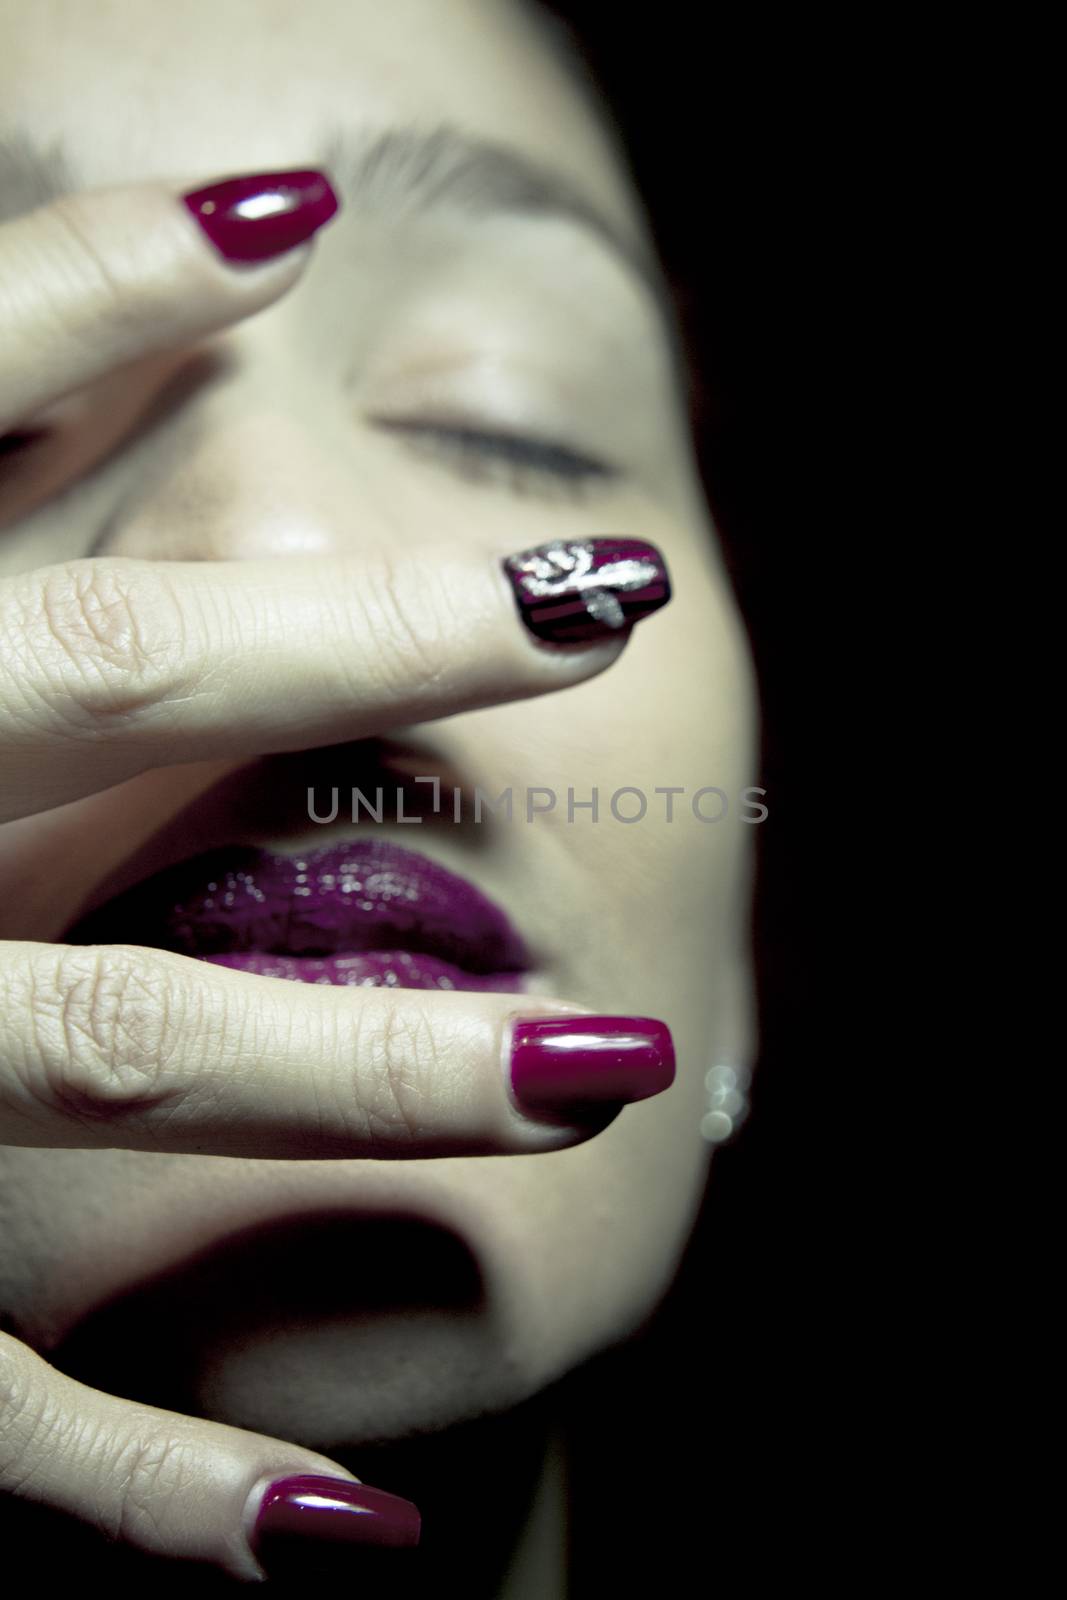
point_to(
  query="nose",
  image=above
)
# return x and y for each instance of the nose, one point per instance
(240, 477)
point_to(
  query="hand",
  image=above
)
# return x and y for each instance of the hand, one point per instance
(111, 666)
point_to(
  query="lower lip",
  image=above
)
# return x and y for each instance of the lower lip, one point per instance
(368, 914)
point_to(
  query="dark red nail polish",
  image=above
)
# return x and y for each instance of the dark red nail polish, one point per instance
(334, 1510)
(577, 591)
(254, 218)
(562, 1064)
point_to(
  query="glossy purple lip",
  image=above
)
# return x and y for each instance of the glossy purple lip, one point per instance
(365, 913)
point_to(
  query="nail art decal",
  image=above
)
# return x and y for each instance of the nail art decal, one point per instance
(577, 591)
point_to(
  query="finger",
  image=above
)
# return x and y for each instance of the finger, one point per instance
(100, 277)
(121, 1046)
(111, 666)
(172, 1485)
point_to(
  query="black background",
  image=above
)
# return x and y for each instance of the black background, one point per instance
(706, 1454)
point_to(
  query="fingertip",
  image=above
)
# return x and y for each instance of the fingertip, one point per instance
(584, 1067)
(259, 217)
(578, 593)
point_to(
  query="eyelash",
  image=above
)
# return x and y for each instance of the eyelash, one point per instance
(552, 464)
(476, 453)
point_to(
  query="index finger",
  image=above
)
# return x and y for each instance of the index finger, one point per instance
(98, 278)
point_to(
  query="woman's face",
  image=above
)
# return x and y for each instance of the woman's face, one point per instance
(518, 320)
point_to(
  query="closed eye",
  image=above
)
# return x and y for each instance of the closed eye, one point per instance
(507, 460)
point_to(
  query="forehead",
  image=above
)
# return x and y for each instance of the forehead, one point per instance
(461, 104)
(143, 90)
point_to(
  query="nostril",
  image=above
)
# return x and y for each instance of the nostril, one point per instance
(19, 440)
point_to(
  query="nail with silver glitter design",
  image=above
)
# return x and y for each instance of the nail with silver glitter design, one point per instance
(584, 590)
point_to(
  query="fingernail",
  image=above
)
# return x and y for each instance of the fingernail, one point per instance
(254, 218)
(337, 1511)
(578, 591)
(561, 1064)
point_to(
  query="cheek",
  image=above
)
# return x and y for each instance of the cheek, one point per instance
(678, 707)
(676, 712)
(582, 1250)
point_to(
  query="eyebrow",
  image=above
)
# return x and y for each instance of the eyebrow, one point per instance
(413, 170)
(409, 170)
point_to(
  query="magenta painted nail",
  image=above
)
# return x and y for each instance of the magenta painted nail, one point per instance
(254, 218)
(577, 591)
(336, 1510)
(561, 1064)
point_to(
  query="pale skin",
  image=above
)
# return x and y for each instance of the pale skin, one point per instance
(255, 567)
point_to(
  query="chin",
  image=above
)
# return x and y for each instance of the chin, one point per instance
(336, 1385)
(328, 1329)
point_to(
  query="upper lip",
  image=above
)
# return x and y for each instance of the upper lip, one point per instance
(366, 894)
